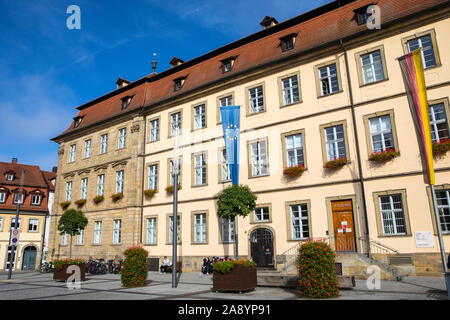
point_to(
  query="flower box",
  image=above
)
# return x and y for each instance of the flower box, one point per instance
(294, 171)
(240, 278)
(117, 196)
(169, 189)
(60, 269)
(64, 205)
(80, 202)
(385, 155)
(99, 199)
(440, 148)
(150, 193)
(336, 163)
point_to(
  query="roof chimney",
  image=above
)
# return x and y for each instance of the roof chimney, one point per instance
(268, 22)
(121, 82)
(55, 169)
(14, 160)
(176, 62)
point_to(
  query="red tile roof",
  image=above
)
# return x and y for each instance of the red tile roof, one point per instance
(315, 28)
(33, 176)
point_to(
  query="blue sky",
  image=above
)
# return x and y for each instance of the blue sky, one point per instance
(46, 70)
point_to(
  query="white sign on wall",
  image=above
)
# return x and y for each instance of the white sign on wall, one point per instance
(424, 239)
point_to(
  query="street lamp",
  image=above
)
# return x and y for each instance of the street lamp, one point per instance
(175, 171)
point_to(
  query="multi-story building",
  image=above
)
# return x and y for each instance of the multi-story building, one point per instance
(34, 201)
(317, 87)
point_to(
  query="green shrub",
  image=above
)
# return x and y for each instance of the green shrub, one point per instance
(226, 266)
(316, 271)
(134, 270)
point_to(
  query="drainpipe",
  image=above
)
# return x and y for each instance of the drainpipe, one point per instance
(358, 152)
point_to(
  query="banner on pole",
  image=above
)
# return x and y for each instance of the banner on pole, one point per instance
(231, 131)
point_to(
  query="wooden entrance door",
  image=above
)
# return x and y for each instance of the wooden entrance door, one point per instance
(344, 231)
(261, 240)
(29, 258)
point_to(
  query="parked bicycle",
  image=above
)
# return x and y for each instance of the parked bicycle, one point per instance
(46, 267)
(114, 266)
(97, 267)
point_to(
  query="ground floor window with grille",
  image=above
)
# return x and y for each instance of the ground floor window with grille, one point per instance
(227, 229)
(443, 205)
(200, 228)
(299, 221)
(97, 232)
(392, 214)
(151, 230)
(117, 231)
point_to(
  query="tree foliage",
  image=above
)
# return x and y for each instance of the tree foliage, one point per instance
(236, 201)
(71, 222)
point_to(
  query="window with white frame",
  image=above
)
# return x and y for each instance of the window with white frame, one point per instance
(64, 239)
(172, 169)
(80, 237)
(36, 199)
(289, 87)
(381, 133)
(225, 174)
(438, 122)
(10, 177)
(13, 223)
(84, 185)
(151, 230)
(335, 142)
(153, 177)
(200, 169)
(117, 231)
(227, 229)
(68, 190)
(119, 181)
(261, 214)
(443, 206)
(223, 102)
(258, 158)
(2, 196)
(171, 229)
(103, 143)
(299, 221)
(200, 228)
(100, 184)
(175, 123)
(33, 225)
(392, 214)
(1, 224)
(372, 67)
(199, 117)
(294, 150)
(73, 149)
(328, 79)
(427, 52)
(87, 149)
(97, 232)
(122, 138)
(256, 100)
(154, 130)
(18, 198)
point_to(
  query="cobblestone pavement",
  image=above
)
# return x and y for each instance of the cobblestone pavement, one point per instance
(196, 286)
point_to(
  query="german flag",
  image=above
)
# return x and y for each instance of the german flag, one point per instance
(413, 76)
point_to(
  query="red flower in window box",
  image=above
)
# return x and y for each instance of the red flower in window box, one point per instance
(117, 196)
(80, 202)
(98, 199)
(150, 193)
(337, 162)
(65, 204)
(385, 155)
(294, 171)
(440, 148)
(169, 189)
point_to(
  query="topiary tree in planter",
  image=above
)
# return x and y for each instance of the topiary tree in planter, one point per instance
(71, 222)
(135, 267)
(316, 271)
(236, 200)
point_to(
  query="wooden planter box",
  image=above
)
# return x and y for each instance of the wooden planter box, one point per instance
(239, 279)
(62, 274)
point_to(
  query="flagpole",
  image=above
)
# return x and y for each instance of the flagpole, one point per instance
(438, 227)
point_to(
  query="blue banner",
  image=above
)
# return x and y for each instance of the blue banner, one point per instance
(231, 129)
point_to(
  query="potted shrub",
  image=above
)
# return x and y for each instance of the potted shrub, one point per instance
(294, 171)
(60, 269)
(169, 189)
(80, 202)
(316, 271)
(336, 163)
(135, 267)
(234, 275)
(440, 148)
(71, 222)
(384, 155)
(150, 193)
(117, 196)
(64, 205)
(99, 199)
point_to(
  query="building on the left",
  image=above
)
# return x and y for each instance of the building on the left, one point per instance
(35, 201)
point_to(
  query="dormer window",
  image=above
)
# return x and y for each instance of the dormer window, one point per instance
(178, 83)
(77, 121)
(10, 177)
(227, 64)
(361, 15)
(288, 42)
(126, 102)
